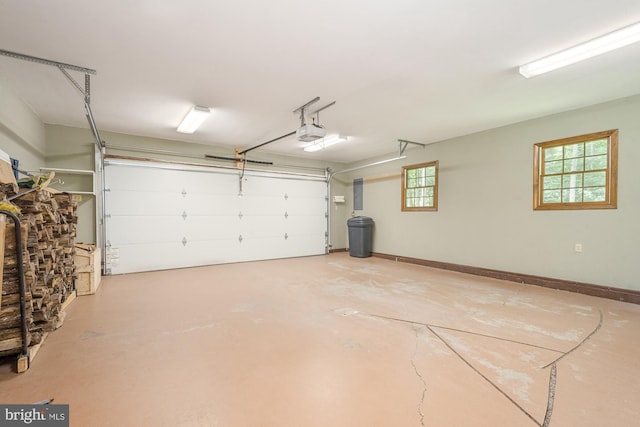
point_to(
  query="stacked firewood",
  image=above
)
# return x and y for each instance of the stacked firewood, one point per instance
(49, 228)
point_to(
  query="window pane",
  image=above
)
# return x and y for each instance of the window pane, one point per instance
(595, 194)
(571, 181)
(553, 167)
(594, 163)
(574, 165)
(593, 148)
(553, 153)
(551, 196)
(420, 186)
(574, 150)
(572, 195)
(551, 182)
(577, 172)
(595, 179)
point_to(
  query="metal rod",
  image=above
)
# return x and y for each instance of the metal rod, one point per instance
(411, 142)
(72, 80)
(101, 210)
(233, 159)
(323, 108)
(314, 100)
(199, 156)
(204, 168)
(23, 290)
(268, 142)
(92, 124)
(46, 61)
(403, 145)
(368, 165)
(328, 243)
(87, 88)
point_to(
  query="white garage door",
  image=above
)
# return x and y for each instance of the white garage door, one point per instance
(161, 216)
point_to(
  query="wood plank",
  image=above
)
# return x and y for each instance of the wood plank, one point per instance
(70, 298)
(3, 227)
(24, 363)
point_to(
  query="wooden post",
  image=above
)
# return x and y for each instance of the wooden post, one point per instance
(3, 227)
(23, 364)
(238, 158)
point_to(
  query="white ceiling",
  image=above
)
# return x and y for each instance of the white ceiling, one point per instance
(420, 70)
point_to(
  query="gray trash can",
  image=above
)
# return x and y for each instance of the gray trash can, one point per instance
(360, 236)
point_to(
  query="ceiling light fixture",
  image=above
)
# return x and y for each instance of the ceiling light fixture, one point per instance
(325, 142)
(194, 119)
(615, 40)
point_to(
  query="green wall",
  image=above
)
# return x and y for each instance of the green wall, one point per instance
(22, 134)
(485, 216)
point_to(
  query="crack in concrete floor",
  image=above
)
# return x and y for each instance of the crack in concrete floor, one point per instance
(552, 375)
(419, 375)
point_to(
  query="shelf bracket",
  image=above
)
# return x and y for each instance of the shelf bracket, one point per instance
(403, 143)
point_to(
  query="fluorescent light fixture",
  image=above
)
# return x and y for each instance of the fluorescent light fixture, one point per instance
(325, 142)
(615, 40)
(194, 119)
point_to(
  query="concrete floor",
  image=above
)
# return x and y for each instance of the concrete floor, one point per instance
(336, 341)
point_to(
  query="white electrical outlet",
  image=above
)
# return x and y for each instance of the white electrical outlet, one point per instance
(578, 247)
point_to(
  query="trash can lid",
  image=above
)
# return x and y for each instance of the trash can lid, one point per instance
(359, 220)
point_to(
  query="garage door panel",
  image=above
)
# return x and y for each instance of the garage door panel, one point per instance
(263, 225)
(148, 229)
(143, 257)
(210, 227)
(213, 251)
(303, 224)
(306, 244)
(127, 202)
(258, 204)
(160, 219)
(308, 206)
(168, 181)
(213, 204)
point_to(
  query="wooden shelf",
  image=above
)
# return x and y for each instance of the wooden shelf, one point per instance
(76, 186)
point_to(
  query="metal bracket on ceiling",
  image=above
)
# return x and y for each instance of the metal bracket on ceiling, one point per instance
(302, 109)
(317, 112)
(46, 61)
(87, 102)
(63, 67)
(403, 143)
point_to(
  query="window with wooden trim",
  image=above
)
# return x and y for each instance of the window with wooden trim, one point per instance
(576, 173)
(420, 187)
